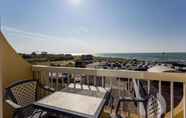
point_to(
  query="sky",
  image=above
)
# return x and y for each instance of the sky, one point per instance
(94, 26)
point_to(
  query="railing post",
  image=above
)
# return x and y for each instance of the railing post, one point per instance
(39, 80)
(38, 77)
(172, 99)
(62, 81)
(47, 78)
(51, 80)
(184, 99)
(88, 81)
(148, 86)
(47, 82)
(124, 86)
(81, 81)
(102, 81)
(57, 81)
(119, 87)
(68, 79)
(95, 82)
(74, 77)
(110, 82)
(42, 80)
(128, 84)
(159, 86)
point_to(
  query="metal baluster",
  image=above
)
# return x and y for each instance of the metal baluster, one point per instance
(138, 104)
(57, 81)
(62, 80)
(51, 80)
(81, 81)
(95, 84)
(88, 81)
(119, 88)
(38, 76)
(41, 90)
(74, 77)
(34, 75)
(128, 84)
(159, 84)
(125, 84)
(102, 81)
(148, 86)
(53, 77)
(39, 79)
(110, 78)
(172, 99)
(42, 82)
(47, 81)
(68, 79)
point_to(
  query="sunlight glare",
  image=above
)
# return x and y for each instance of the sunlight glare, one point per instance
(75, 2)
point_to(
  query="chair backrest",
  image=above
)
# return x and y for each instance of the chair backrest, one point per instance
(156, 106)
(23, 92)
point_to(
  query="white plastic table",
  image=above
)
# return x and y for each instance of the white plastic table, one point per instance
(74, 103)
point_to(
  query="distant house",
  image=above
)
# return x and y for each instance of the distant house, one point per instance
(33, 54)
(87, 58)
(68, 56)
(44, 53)
(80, 64)
(84, 61)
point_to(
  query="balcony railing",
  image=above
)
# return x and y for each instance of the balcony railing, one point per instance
(123, 82)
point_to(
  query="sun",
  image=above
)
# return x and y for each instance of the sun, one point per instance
(75, 2)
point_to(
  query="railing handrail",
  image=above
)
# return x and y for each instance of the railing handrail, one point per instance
(143, 75)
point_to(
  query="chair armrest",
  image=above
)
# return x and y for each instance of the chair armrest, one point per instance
(128, 99)
(47, 88)
(131, 99)
(13, 104)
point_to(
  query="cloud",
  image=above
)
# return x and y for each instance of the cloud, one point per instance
(78, 31)
(83, 30)
(29, 35)
(25, 41)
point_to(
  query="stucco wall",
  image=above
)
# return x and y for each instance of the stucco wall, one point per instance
(1, 95)
(13, 67)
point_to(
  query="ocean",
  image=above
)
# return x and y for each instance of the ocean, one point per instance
(177, 57)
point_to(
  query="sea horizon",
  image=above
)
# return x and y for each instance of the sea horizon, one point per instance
(148, 56)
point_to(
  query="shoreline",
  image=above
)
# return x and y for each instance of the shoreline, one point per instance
(92, 61)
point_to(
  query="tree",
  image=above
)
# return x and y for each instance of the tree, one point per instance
(33, 53)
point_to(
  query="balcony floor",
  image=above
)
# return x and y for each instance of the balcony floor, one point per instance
(124, 114)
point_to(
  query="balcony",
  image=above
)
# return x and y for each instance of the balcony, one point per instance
(122, 83)
(172, 86)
